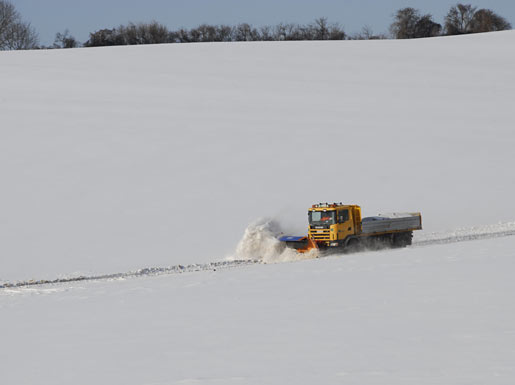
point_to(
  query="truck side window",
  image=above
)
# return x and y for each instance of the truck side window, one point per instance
(343, 216)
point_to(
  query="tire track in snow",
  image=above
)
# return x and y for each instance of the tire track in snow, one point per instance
(459, 235)
(466, 234)
(145, 272)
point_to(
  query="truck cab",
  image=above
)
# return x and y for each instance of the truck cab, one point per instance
(331, 225)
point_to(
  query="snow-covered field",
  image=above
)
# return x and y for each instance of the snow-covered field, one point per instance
(117, 159)
(430, 315)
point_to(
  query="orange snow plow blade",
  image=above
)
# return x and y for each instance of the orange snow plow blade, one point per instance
(301, 244)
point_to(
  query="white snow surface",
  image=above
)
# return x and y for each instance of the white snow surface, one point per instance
(425, 315)
(122, 158)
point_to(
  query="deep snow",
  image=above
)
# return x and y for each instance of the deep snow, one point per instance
(428, 315)
(116, 158)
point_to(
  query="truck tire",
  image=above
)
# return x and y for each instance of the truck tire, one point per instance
(402, 239)
(353, 246)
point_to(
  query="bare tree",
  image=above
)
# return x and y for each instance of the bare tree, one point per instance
(266, 33)
(426, 27)
(153, 33)
(368, 34)
(284, 32)
(486, 20)
(103, 37)
(404, 24)
(65, 40)
(179, 36)
(321, 28)
(224, 33)
(131, 34)
(245, 32)
(14, 33)
(204, 32)
(8, 17)
(336, 32)
(459, 20)
(409, 24)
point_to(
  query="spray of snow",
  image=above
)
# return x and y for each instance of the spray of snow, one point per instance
(260, 243)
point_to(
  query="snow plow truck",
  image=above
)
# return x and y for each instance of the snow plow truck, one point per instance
(335, 227)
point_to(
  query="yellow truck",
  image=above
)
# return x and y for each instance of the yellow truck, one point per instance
(338, 227)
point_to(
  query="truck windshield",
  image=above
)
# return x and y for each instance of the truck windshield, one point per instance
(319, 218)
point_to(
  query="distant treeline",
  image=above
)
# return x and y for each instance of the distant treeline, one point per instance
(155, 33)
(408, 23)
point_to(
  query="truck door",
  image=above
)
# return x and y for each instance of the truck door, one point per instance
(345, 226)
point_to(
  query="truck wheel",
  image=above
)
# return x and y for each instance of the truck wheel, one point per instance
(353, 246)
(402, 239)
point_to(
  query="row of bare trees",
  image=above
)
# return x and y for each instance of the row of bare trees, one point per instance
(461, 19)
(408, 23)
(155, 33)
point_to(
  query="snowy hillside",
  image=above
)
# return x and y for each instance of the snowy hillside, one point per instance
(160, 157)
(429, 315)
(117, 158)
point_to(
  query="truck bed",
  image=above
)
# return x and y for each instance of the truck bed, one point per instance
(384, 223)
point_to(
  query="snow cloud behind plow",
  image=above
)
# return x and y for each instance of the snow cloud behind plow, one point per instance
(260, 243)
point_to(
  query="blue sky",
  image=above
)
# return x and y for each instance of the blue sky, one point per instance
(82, 17)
